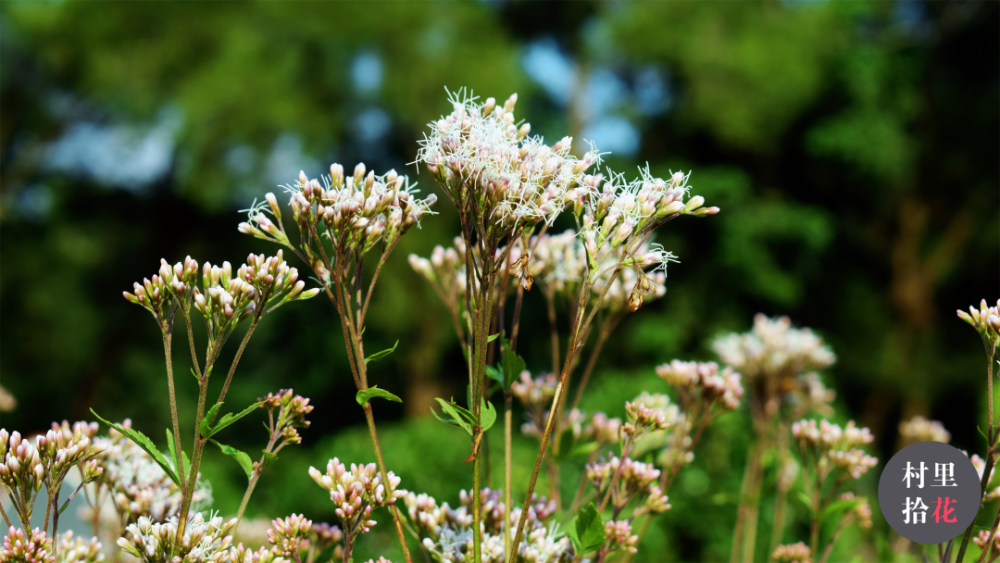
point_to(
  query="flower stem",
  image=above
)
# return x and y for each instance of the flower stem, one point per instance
(579, 327)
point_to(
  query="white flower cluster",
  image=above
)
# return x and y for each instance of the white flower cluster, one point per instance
(602, 429)
(356, 492)
(447, 536)
(702, 380)
(478, 155)
(203, 541)
(810, 394)
(985, 319)
(773, 349)
(837, 445)
(139, 487)
(919, 429)
(535, 393)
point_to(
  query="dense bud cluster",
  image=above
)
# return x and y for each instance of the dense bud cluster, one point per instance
(224, 300)
(636, 480)
(986, 321)
(354, 212)
(202, 542)
(292, 411)
(618, 535)
(792, 553)
(836, 446)
(289, 535)
(25, 467)
(704, 381)
(356, 492)
(34, 547)
(602, 429)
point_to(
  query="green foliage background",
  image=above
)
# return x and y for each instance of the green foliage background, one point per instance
(851, 145)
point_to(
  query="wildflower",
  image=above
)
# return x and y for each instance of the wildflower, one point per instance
(203, 541)
(356, 492)
(861, 512)
(792, 553)
(984, 536)
(604, 430)
(515, 179)
(355, 213)
(773, 350)
(535, 393)
(986, 321)
(289, 536)
(292, 410)
(619, 536)
(31, 548)
(74, 549)
(240, 554)
(838, 447)
(919, 429)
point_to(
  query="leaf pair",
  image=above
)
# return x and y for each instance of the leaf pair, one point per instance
(586, 530)
(207, 430)
(460, 416)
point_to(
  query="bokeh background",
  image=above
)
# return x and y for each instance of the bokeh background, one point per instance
(852, 147)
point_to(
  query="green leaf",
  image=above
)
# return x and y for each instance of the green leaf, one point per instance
(171, 447)
(269, 458)
(513, 365)
(496, 374)
(364, 396)
(230, 418)
(462, 417)
(584, 449)
(839, 506)
(492, 337)
(206, 426)
(805, 500)
(586, 531)
(379, 355)
(147, 446)
(487, 415)
(242, 458)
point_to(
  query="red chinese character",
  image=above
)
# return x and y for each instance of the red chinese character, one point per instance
(942, 511)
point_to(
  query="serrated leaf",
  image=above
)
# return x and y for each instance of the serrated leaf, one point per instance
(242, 458)
(379, 355)
(586, 531)
(206, 422)
(229, 418)
(269, 458)
(364, 396)
(147, 446)
(172, 448)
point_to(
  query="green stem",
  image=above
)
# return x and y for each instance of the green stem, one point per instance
(167, 342)
(579, 326)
